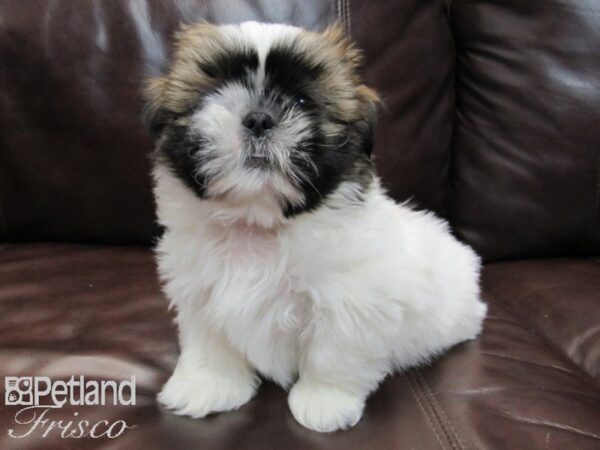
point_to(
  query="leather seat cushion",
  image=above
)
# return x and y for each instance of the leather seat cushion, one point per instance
(526, 160)
(67, 310)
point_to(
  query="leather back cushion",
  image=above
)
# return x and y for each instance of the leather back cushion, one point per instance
(74, 155)
(527, 138)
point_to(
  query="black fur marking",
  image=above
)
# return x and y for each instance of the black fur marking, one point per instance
(231, 66)
(289, 71)
(178, 150)
(338, 159)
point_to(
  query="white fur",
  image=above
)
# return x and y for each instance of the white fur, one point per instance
(339, 297)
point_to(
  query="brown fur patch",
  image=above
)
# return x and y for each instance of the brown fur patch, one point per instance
(185, 82)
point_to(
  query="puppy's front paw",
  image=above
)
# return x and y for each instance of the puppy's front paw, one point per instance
(200, 392)
(324, 407)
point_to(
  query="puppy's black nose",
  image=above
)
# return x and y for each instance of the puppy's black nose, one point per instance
(258, 122)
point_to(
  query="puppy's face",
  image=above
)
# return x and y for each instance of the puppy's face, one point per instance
(257, 110)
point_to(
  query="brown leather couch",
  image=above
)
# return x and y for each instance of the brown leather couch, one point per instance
(492, 119)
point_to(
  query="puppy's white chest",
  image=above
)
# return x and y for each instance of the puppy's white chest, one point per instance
(243, 244)
(256, 303)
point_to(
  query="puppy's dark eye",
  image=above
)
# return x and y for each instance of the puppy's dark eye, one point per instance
(301, 102)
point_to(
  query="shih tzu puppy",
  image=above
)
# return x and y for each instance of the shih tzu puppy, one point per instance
(282, 255)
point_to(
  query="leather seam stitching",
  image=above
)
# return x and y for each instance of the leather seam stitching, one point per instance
(343, 13)
(348, 18)
(413, 386)
(440, 411)
(436, 413)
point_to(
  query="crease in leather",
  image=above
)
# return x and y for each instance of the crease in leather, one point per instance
(424, 396)
(447, 8)
(556, 425)
(594, 235)
(534, 363)
(571, 7)
(502, 319)
(448, 190)
(51, 6)
(542, 336)
(525, 294)
(3, 225)
(581, 339)
(496, 389)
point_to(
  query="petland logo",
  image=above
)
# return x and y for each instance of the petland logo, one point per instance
(40, 395)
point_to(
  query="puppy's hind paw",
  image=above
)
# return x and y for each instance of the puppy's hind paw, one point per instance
(324, 407)
(202, 392)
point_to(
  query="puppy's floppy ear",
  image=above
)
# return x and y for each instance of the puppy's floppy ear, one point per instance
(156, 116)
(165, 98)
(365, 117)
